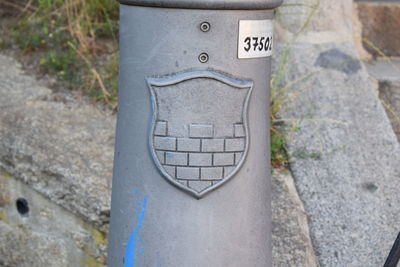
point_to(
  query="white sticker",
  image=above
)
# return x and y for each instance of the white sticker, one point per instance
(255, 38)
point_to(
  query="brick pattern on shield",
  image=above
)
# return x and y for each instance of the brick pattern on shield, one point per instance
(199, 138)
(200, 159)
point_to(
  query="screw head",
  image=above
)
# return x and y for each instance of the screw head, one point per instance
(205, 26)
(203, 58)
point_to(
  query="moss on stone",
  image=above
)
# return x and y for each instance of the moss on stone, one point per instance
(3, 216)
(98, 236)
(91, 262)
(6, 174)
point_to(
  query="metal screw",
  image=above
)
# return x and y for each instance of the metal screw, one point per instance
(205, 26)
(203, 58)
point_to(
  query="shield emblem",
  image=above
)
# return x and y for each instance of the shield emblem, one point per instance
(199, 136)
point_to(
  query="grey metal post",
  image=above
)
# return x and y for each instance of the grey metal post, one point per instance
(191, 183)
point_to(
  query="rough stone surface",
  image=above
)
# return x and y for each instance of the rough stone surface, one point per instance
(344, 158)
(388, 76)
(291, 243)
(47, 234)
(344, 152)
(318, 21)
(380, 26)
(57, 144)
(16, 248)
(337, 60)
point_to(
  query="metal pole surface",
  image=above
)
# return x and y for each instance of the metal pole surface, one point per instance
(191, 182)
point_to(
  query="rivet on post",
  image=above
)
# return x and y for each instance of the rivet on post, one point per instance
(205, 26)
(203, 58)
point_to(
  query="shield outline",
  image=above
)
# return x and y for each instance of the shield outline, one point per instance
(176, 78)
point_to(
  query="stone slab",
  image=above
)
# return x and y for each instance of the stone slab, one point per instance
(45, 234)
(384, 70)
(387, 75)
(380, 22)
(291, 241)
(344, 155)
(56, 143)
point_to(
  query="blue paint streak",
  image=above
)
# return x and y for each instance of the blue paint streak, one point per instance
(131, 249)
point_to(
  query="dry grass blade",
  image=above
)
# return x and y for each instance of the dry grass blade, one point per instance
(27, 8)
(82, 23)
(100, 82)
(17, 6)
(94, 72)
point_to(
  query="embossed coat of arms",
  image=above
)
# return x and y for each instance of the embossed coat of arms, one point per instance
(199, 136)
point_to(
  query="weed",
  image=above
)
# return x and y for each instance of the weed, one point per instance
(278, 98)
(304, 153)
(74, 40)
(279, 156)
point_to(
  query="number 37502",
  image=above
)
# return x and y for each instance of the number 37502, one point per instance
(258, 44)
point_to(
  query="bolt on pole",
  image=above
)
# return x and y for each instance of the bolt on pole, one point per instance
(191, 180)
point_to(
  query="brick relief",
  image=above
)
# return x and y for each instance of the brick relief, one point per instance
(199, 131)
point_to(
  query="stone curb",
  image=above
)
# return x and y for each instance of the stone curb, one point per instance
(59, 145)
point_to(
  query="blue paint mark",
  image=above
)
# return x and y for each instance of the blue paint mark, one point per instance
(141, 247)
(131, 249)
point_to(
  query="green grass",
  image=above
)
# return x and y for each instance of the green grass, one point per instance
(76, 40)
(279, 155)
(279, 85)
